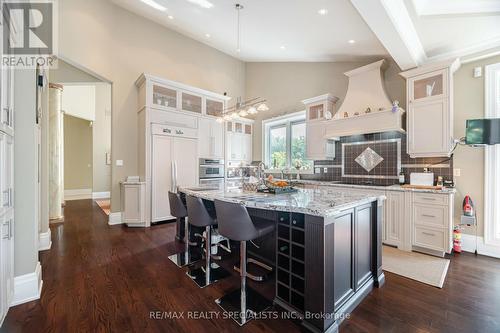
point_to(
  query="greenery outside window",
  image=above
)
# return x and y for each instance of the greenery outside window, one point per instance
(285, 143)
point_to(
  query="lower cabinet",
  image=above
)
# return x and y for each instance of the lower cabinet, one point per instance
(394, 217)
(6, 261)
(133, 202)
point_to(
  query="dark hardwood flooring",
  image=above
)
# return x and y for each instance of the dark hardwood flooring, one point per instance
(99, 278)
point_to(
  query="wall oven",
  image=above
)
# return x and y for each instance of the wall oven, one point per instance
(211, 172)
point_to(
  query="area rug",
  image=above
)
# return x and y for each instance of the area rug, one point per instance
(105, 205)
(416, 266)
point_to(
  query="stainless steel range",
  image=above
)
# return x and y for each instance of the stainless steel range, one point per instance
(211, 172)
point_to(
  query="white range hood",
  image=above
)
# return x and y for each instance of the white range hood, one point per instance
(365, 90)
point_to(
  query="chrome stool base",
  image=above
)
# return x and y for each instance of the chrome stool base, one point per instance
(199, 276)
(231, 304)
(186, 258)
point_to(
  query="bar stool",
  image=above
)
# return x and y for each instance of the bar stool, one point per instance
(235, 223)
(200, 217)
(179, 211)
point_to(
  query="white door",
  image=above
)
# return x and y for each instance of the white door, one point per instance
(204, 133)
(394, 218)
(185, 154)
(218, 139)
(161, 180)
(247, 148)
(428, 124)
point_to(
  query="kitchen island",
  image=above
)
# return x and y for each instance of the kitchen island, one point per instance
(327, 248)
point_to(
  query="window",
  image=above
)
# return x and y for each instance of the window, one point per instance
(492, 159)
(285, 143)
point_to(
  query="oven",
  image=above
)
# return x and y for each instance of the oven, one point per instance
(211, 168)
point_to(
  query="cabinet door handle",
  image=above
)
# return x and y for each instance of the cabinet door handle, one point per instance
(11, 227)
(430, 199)
(428, 233)
(8, 231)
(6, 198)
(426, 215)
(7, 116)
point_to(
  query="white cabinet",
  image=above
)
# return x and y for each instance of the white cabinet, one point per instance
(317, 147)
(319, 110)
(394, 218)
(6, 261)
(7, 172)
(133, 197)
(239, 141)
(430, 109)
(7, 100)
(211, 138)
(432, 216)
(174, 163)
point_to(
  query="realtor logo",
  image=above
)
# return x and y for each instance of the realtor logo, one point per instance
(29, 32)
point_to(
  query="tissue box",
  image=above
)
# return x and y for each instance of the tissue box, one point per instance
(422, 178)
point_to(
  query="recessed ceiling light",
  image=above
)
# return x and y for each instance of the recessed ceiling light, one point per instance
(155, 5)
(202, 3)
(323, 11)
(351, 41)
(283, 47)
(207, 35)
(170, 17)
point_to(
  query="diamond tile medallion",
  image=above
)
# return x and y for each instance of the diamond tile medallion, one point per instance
(369, 159)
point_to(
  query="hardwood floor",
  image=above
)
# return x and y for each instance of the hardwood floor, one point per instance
(99, 278)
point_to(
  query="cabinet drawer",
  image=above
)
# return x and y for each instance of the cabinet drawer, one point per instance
(436, 216)
(430, 238)
(430, 198)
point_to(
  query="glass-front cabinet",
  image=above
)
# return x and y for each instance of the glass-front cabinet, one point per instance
(429, 86)
(191, 103)
(161, 94)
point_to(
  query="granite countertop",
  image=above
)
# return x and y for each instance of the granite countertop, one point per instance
(373, 187)
(324, 202)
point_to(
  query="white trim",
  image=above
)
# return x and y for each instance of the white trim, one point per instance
(44, 241)
(469, 245)
(391, 23)
(28, 287)
(491, 160)
(488, 45)
(455, 7)
(78, 194)
(101, 195)
(115, 218)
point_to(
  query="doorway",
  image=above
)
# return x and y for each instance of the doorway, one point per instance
(80, 118)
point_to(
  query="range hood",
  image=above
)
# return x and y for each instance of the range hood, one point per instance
(365, 91)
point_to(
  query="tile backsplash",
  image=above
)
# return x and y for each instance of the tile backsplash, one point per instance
(382, 154)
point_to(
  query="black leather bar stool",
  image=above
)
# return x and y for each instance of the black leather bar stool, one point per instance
(199, 216)
(179, 211)
(235, 223)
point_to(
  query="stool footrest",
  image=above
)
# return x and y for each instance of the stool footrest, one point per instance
(268, 270)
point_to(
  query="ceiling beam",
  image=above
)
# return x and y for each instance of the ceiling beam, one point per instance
(391, 23)
(456, 7)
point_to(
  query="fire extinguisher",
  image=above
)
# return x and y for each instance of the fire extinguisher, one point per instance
(457, 240)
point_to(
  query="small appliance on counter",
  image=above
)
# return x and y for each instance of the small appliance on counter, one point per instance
(422, 178)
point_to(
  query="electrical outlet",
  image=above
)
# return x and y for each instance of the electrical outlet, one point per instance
(325, 170)
(119, 162)
(456, 172)
(478, 71)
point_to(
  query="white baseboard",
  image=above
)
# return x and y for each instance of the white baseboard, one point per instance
(101, 195)
(44, 241)
(469, 245)
(78, 194)
(28, 287)
(115, 218)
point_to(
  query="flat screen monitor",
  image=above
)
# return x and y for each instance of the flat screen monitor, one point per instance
(483, 132)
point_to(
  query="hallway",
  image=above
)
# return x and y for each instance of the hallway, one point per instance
(99, 278)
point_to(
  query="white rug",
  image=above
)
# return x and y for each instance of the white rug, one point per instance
(416, 266)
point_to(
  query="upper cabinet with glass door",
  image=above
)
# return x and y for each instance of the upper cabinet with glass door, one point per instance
(429, 86)
(161, 94)
(320, 107)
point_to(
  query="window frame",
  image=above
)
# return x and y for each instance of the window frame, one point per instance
(492, 159)
(286, 121)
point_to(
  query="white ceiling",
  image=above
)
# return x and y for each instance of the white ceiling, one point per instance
(267, 25)
(448, 28)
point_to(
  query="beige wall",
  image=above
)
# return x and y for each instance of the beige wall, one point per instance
(101, 137)
(285, 85)
(119, 46)
(77, 153)
(66, 73)
(469, 104)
